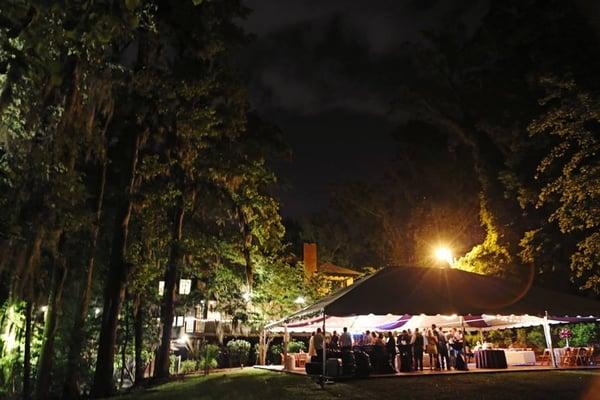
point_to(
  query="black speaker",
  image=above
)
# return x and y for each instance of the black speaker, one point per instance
(363, 364)
(313, 368)
(348, 358)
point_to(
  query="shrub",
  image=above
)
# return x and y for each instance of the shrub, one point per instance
(172, 364)
(187, 367)
(584, 335)
(536, 338)
(239, 351)
(208, 356)
(501, 338)
(275, 354)
(295, 346)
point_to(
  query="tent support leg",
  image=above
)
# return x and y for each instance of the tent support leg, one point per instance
(323, 377)
(548, 336)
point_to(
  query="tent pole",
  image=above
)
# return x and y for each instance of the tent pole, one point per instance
(324, 347)
(548, 336)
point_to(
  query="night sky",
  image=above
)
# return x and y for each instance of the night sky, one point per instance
(325, 73)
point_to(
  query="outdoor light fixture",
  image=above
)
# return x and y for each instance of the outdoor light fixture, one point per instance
(444, 254)
(300, 300)
(97, 311)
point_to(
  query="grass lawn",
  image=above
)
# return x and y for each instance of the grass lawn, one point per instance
(256, 384)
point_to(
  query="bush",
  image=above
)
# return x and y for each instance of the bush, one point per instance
(277, 349)
(296, 346)
(208, 356)
(500, 338)
(536, 338)
(172, 364)
(187, 367)
(274, 354)
(239, 352)
(584, 335)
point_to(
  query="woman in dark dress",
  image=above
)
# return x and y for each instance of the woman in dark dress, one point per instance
(405, 352)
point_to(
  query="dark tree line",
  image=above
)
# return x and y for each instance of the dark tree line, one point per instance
(128, 154)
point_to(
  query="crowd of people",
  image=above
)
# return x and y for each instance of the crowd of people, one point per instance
(445, 349)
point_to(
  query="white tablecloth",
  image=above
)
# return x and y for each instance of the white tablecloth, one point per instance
(519, 357)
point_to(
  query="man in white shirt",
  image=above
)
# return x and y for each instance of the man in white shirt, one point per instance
(346, 340)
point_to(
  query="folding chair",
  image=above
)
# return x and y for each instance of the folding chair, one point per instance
(566, 358)
(545, 358)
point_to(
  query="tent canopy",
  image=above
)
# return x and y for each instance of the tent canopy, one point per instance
(398, 291)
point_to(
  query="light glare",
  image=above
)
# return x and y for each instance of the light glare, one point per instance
(444, 254)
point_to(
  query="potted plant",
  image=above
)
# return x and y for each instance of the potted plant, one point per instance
(566, 334)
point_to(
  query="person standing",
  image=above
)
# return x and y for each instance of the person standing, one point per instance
(367, 339)
(418, 346)
(311, 345)
(334, 341)
(405, 355)
(390, 346)
(442, 348)
(319, 339)
(346, 340)
(409, 340)
(460, 365)
(431, 349)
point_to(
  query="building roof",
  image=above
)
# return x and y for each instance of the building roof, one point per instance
(332, 269)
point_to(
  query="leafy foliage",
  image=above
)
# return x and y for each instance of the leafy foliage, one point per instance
(239, 352)
(570, 179)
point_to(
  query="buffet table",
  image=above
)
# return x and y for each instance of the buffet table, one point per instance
(490, 359)
(519, 357)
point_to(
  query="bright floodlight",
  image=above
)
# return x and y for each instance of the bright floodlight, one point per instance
(300, 300)
(444, 254)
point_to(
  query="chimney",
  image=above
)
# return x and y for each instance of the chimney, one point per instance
(310, 259)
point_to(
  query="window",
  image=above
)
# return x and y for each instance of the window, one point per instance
(185, 285)
(189, 324)
(161, 288)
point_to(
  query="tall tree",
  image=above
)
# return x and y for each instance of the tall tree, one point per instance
(569, 178)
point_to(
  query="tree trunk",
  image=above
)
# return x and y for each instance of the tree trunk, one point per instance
(124, 350)
(52, 316)
(138, 329)
(246, 231)
(21, 278)
(71, 386)
(27, 353)
(161, 370)
(114, 290)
